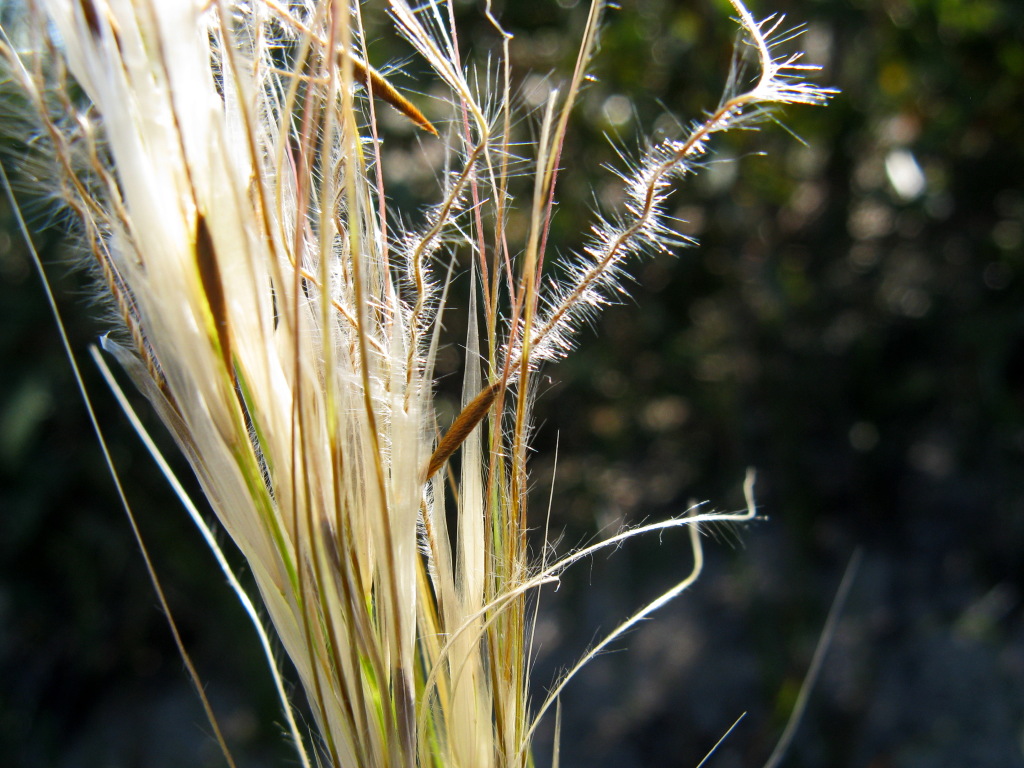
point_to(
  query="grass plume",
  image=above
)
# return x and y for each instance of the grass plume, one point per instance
(224, 163)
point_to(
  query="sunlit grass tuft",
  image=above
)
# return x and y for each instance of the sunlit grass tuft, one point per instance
(225, 164)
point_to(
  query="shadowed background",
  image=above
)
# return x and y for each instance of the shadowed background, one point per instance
(852, 326)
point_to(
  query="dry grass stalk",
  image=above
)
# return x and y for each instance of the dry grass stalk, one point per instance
(227, 174)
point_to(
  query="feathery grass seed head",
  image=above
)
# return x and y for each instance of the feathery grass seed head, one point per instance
(225, 161)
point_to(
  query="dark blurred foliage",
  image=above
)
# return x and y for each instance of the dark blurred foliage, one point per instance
(852, 326)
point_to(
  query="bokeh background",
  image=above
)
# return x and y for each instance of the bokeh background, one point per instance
(852, 326)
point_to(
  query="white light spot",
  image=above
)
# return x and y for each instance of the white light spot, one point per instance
(905, 174)
(617, 110)
(536, 90)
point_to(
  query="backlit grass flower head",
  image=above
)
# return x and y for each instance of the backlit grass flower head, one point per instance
(225, 164)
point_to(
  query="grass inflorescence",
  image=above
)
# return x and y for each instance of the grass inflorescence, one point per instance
(224, 162)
